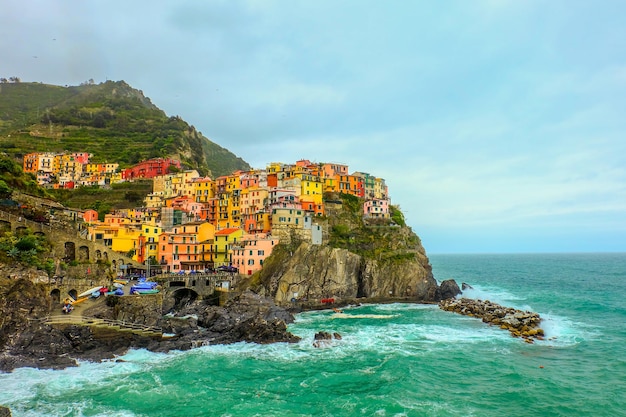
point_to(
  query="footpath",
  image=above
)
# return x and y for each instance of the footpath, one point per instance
(78, 318)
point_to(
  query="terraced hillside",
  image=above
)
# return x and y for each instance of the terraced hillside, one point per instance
(111, 120)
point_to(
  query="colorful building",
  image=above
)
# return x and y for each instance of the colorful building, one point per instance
(150, 168)
(187, 247)
(224, 239)
(250, 253)
(376, 209)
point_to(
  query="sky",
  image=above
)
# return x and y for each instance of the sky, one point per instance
(497, 125)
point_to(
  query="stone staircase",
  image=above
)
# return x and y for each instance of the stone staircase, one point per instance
(104, 324)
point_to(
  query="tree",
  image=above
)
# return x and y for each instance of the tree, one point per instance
(5, 190)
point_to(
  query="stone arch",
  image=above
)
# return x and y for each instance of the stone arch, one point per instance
(55, 296)
(184, 296)
(70, 251)
(39, 233)
(98, 255)
(105, 256)
(21, 230)
(114, 265)
(5, 226)
(83, 253)
(73, 293)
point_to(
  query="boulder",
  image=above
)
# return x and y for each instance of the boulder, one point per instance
(324, 339)
(448, 289)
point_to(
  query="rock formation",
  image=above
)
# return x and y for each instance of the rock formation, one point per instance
(519, 323)
(312, 273)
(324, 339)
(27, 341)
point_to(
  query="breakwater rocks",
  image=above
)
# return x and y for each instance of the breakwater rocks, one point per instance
(524, 324)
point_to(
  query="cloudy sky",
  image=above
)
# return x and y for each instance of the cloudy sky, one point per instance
(498, 125)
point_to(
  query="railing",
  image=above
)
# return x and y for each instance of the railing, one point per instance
(12, 217)
(94, 321)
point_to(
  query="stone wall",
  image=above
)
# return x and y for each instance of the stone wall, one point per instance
(143, 309)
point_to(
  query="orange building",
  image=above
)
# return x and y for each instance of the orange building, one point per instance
(187, 247)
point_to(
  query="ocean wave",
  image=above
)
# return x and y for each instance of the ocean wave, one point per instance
(494, 294)
(562, 331)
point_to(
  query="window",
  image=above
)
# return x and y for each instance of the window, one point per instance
(261, 252)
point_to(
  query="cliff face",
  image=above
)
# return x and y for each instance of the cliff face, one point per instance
(308, 273)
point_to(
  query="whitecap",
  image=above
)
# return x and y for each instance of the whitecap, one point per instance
(493, 294)
(561, 331)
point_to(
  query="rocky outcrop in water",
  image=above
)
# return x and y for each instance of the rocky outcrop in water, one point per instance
(448, 289)
(246, 318)
(524, 324)
(324, 339)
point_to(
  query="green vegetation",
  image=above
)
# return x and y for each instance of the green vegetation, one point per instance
(111, 120)
(13, 178)
(118, 196)
(26, 249)
(382, 241)
(397, 216)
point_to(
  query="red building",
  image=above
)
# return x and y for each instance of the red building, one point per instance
(150, 168)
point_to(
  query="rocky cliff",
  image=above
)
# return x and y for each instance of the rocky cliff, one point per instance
(307, 275)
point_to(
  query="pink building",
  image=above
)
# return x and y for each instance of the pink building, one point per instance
(376, 209)
(248, 256)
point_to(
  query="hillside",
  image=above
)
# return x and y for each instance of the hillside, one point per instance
(111, 120)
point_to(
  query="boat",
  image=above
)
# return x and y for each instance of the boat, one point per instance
(89, 292)
(146, 285)
(79, 300)
(146, 291)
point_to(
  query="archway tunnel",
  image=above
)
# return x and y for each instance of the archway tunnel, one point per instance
(184, 296)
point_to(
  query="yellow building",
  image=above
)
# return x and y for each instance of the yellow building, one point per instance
(224, 239)
(125, 240)
(203, 189)
(312, 194)
(149, 242)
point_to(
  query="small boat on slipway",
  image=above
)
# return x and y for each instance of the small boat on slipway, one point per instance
(88, 292)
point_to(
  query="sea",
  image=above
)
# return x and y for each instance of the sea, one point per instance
(392, 359)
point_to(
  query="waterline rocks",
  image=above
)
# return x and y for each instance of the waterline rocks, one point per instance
(524, 324)
(324, 339)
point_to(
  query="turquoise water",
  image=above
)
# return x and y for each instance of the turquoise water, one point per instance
(393, 359)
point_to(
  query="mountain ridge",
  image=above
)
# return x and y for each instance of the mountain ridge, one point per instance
(112, 120)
